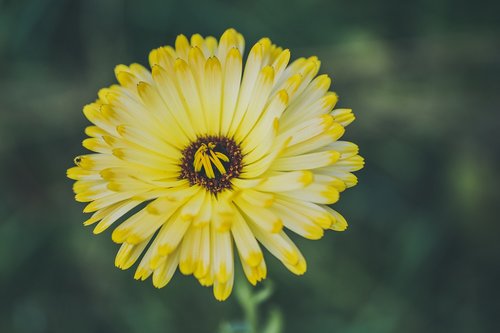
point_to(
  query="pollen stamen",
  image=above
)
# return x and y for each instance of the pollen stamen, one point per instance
(203, 160)
(200, 157)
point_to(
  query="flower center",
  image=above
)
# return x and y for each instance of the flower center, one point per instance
(211, 162)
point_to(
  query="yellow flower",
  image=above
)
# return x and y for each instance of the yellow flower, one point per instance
(205, 152)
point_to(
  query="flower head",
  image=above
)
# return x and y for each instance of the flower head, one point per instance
(206, 157)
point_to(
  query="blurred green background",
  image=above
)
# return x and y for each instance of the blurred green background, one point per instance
(422, 251)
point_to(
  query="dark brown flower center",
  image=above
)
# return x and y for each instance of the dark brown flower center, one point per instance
(211, 162)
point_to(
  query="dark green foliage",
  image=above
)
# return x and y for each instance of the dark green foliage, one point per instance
(421, 251)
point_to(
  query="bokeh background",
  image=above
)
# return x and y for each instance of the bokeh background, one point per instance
(422, 250)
